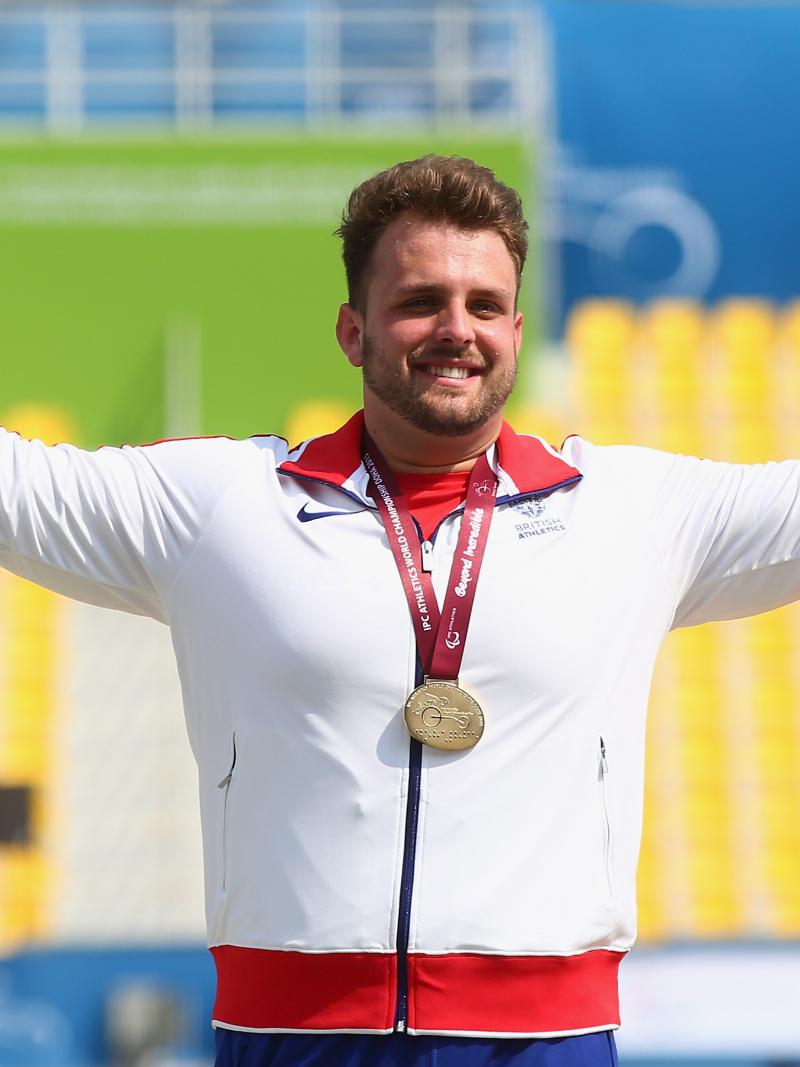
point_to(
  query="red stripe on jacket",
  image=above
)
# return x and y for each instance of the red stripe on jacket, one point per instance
(265, 989)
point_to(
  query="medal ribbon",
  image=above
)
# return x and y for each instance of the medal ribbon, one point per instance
(441, 636)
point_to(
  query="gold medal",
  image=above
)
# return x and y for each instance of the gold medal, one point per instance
(438, 713)
(442, 715)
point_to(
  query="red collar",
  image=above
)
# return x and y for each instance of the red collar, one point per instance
(528, 463)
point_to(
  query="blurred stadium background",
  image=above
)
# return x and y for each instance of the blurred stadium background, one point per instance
(170, 175)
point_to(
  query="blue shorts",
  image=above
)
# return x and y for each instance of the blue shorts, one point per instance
(237, 1049)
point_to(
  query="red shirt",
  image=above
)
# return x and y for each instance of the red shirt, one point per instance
(432, 496)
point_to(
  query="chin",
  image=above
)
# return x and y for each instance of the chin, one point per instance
(447, 424)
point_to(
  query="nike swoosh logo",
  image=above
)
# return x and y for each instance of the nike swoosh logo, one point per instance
(308, 516)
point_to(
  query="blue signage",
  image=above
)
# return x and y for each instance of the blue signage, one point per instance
(676, 169)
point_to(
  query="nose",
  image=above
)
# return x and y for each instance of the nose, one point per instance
(454, 325)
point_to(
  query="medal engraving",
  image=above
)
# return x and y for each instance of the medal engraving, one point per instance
(442, 715)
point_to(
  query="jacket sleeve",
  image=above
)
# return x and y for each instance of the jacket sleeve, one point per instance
(112, 527)
(730, 537)
(726, 537)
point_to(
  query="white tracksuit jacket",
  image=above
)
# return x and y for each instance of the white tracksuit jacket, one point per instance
(355, 881)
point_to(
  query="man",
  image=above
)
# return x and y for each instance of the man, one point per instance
(419, 737)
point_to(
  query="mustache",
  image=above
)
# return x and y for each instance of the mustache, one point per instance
(446, 354)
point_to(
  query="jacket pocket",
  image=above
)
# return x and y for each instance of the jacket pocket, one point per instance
(225, 786)
(602, 778)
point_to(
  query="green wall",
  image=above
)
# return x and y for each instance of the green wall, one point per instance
(104, 243)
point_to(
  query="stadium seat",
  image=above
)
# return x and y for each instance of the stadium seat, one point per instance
(723, 776)
(31, 652)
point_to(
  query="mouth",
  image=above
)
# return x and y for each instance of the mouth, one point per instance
(448, 373)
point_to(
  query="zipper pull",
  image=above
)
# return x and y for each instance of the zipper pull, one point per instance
(427, 556)
(227, 779)
(401, 1026)
(603, 760)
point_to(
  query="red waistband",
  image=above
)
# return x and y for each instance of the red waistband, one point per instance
(264, 989)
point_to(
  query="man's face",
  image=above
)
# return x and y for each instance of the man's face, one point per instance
(439, 336)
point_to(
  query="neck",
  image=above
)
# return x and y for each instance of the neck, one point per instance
(410, 450)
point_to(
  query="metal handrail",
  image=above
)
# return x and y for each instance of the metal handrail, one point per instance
(451, 71)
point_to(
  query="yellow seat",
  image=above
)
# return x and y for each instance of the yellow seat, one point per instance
(789, 328)
(28, 700)
(678, 435)
(749, 439)
(786, 407)
(603, 430)
(673, 331)
(599, 339)
(600, 331)
(312, 418)
(746, 331)
(715, 894)
(775, 754)
(770, 632)
(605, 399)
(717, 915)
(542, 422)
(744, 334)
(671, 351)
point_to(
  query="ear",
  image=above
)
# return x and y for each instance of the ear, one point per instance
(518, 319)
(349, 333)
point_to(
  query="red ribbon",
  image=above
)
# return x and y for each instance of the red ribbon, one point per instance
(441, 636)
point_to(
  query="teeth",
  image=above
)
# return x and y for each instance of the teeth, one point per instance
(449, 372)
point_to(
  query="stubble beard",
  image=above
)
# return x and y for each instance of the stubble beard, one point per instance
(436, 412)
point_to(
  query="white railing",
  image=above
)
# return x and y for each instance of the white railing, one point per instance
(67, 66)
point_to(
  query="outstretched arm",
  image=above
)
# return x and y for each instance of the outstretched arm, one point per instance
(112, 527)
(726, 536)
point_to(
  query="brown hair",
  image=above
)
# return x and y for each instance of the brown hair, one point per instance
(443, 188)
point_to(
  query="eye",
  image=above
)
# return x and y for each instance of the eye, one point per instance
(485, 307)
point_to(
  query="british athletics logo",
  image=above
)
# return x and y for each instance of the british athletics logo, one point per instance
(534, 520)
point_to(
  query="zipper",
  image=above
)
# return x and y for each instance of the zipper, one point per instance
(407, 870)
(410, 839)
(602, 775)
(427, 556)
(412, 816)
(226, 785)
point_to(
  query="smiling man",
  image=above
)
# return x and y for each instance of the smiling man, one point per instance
(437, 333)
(432, 318)
(419, 731)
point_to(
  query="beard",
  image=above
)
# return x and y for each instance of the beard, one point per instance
(432, 409)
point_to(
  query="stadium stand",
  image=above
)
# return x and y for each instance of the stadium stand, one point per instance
(29, 698)
(70, 66)
(721, 854)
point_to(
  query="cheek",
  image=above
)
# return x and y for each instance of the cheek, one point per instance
(500, 342)
(410, 328)
(406, 337)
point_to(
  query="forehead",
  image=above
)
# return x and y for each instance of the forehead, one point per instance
(412, 250)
